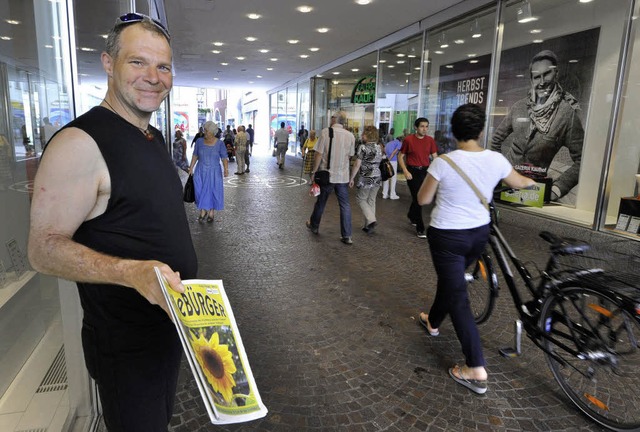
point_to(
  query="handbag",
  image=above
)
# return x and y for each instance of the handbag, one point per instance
(189, 190)
(323, 177)
(386, 169)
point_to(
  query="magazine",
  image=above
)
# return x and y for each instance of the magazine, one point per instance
(213, 347)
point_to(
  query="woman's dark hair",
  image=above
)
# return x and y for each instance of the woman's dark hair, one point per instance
(467, 122)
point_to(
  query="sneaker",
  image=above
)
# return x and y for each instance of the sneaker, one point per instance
(311, 227)
(371, 227)
(394, 197)
(385, 196)
(247, 170)
(346, 240)
(421, 234)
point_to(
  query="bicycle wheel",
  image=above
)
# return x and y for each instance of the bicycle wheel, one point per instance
(601, 376)
(482, 286)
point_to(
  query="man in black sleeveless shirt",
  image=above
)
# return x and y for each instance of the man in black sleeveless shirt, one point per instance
(110, 220)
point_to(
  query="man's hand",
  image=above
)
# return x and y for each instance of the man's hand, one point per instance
(407, 175)
(144, 280)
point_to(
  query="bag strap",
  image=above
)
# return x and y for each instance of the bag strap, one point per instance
(330, 141)
(466, 178)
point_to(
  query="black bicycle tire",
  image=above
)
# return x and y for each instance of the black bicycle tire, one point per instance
(596, 396)
(488, 280)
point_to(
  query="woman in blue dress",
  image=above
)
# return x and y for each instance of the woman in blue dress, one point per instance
(207, 177)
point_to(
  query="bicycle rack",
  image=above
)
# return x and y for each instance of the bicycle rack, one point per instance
(514, 351)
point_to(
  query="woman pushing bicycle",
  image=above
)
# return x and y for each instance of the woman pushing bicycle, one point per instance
(459, 230)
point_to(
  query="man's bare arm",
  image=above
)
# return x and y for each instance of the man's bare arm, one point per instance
(63, 199)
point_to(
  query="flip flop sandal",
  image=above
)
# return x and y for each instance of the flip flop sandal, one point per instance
(209, 219)
(425, 324)
(479, 387)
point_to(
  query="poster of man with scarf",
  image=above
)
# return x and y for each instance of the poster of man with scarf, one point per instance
(542, 100)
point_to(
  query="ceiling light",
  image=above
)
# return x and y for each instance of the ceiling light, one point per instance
(535, 31)
(254, 16)
(251, 39)
(390, 66)
(363, 2)
(473, 61)
(439, 52)
(224, 64)
(383, 61)
(400, 55)
(304, 9)
(374, 66)
(258, 76)
(218, 43)
(355, 70)
(240, 58)
(537, 40)
(472, 55)
(314, 49)
(458, 41)
(336, 73)
(264, 51)
(523, 13)
(411, 56)
(14, 22)
(48, 46)
(322, 30)
(273, 59)
(400, 62)
(574, 60)
(586, 1)
(104, 36)
(319, 76)
(216, 79)
(216, 51)
(269, 69)
(416, 68)
(336, 82)
(304, 56)
(408, 73)
(293, 41)
(449, 66)
(475, 29)
(5, 38)
(86, 49)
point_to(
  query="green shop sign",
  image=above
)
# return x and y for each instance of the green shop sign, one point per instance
(533, 197)
(364, 92)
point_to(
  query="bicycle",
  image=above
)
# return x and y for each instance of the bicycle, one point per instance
(586, 321)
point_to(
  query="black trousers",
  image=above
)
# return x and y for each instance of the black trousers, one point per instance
(415, 210)
(136, 370)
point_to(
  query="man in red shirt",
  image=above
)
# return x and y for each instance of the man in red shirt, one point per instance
(416, 154)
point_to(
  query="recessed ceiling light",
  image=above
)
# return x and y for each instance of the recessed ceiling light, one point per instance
(374, 66)
(304, 9)
(240, 58)
(322, 30)
(86, 49)
(411, 56)
(218, 43)
(449, 66)
(586, 1)
(14, 22)
(251, 39)
(355, 70)
(537, 41)
(470, 55)
(439, 52)
(573, 60)
(314, 49)
(319, 76)
(535, 31)
(416, 68)
(390, 66)
(520, 76)
(258, 76)
(400, 55)
(5, 38)
(408, 73)
(363, 2)
(224, 64)
(273, 59)
(336, 82)
(104, 36)
(216, 79)
(458, 41)
(254, 16)
(216, 51)
(48, 46)
(336, 73)
(473, 61)
(383, 61)
(304, 56)
(400, 62)
(264, 51)
(293, 41)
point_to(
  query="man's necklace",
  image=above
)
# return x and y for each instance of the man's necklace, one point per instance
(146, 132)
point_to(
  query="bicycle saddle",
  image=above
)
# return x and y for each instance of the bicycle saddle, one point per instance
(564, 246)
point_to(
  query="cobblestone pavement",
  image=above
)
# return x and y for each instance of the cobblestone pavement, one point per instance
(331, 332)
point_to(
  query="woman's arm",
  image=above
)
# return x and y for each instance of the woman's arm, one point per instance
(354, 171)
(428, 190)
(517, 180)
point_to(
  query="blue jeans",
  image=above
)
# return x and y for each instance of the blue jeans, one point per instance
(342, 192)
(452, 251)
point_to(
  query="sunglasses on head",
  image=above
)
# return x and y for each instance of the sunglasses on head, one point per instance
(133, 17)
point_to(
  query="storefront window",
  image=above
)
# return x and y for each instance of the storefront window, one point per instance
(35, 80)
(457, 64)
(303, 112)
(291, 120)
(399, 85)
(623, 210)
(550, 118)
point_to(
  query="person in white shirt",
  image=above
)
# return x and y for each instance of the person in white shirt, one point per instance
(281, 140)
(459, 231)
